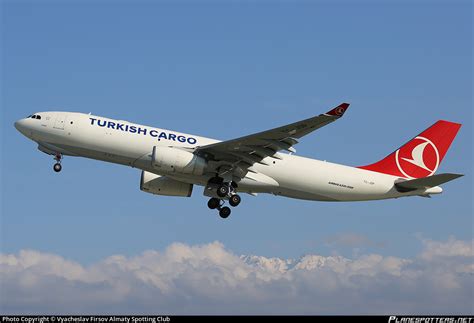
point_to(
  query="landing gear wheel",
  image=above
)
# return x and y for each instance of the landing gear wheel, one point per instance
(224, 212)
(57, 167)
(214, 203)
(223, 190)
(234, 200)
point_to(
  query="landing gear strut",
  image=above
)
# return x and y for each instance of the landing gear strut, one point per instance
(225, 191)
(57, 167)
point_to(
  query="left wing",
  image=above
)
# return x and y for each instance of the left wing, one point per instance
(248, 150)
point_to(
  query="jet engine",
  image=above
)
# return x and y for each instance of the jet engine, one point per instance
(168, 160)
(162, 185)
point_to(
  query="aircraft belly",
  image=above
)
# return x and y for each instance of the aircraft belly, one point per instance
(311, 179)
(98, 155)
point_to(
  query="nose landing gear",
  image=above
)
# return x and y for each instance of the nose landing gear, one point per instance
(57, 167)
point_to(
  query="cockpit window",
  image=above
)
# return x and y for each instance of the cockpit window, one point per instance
(38, 117)
(35, 116)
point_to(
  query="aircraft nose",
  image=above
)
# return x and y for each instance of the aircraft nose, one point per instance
(20, 126)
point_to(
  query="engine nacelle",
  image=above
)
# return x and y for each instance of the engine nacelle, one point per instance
(170, 160)
(162, 185)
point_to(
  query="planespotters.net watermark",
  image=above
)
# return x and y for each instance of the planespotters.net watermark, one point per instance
(447, 319)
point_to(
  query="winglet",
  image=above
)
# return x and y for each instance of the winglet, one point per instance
(338, 111)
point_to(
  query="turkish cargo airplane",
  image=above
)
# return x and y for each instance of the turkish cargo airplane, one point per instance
(172, 162)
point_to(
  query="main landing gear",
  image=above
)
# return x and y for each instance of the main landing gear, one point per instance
(57, 167)
(225, 191)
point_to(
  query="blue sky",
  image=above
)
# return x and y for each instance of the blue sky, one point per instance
(223, 70)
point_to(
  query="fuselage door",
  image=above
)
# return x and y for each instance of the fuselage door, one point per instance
(60, 121)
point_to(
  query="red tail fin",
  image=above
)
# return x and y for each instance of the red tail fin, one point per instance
(421, 156)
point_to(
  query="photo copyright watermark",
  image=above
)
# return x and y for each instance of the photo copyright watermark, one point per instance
(87, 319)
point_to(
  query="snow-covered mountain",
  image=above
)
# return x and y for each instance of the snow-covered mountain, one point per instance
(307, 262)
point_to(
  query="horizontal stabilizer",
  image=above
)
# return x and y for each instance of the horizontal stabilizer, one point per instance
(425, 182)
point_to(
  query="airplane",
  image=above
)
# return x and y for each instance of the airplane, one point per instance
(171, 163)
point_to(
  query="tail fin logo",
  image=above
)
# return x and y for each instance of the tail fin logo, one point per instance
(418, 156)
(340, 111)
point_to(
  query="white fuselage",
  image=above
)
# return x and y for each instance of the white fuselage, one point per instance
(125, 143)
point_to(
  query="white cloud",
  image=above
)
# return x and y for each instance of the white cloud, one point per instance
(209, 279)
(451, 248)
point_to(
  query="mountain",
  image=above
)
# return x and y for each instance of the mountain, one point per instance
(278, 265)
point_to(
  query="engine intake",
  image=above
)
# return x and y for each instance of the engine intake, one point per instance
(162, 185)
(168, 160)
